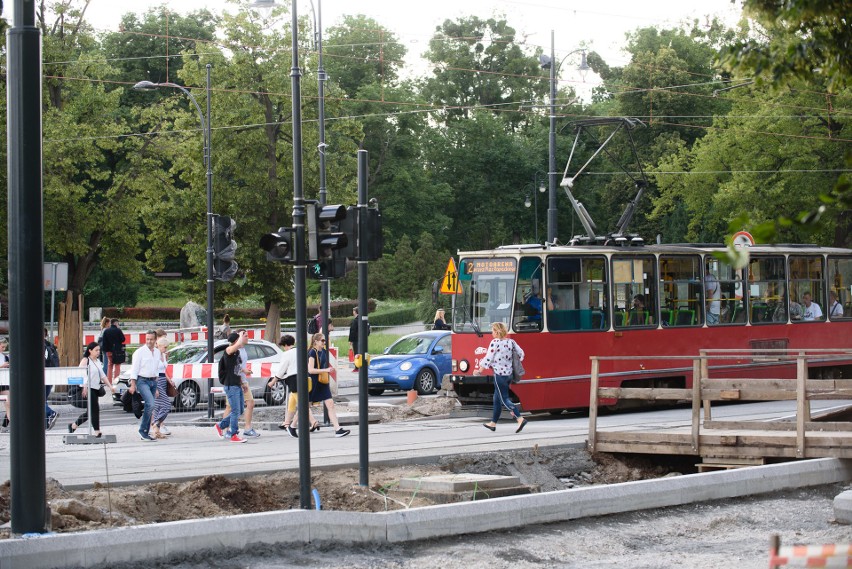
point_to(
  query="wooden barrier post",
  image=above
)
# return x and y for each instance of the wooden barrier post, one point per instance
(802, 404)
(593, 403)
(696, 401)
(705, 373)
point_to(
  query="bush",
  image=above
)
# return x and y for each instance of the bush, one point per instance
(396, 317)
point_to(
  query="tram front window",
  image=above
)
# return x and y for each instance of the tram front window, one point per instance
(487, 296)
(529, 298)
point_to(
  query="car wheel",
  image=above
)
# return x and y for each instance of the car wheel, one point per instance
(375, 391)
(187, 397)
(425, 382)
(275, 395)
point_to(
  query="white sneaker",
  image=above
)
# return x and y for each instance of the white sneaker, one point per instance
(165, 430)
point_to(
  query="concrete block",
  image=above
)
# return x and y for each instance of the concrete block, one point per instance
(349, 527)
(458, 482)
(843, 507)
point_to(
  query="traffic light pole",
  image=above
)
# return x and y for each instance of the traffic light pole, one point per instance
(325, 309)
(300, 270)
(211, 285)
(363, 323)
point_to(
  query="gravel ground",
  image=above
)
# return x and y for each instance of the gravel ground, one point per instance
(722, 534)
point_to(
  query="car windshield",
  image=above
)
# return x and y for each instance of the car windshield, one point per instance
(410, 345)
(186, 354)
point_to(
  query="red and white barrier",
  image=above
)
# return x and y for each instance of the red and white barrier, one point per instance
(832, 555)
(138, 338)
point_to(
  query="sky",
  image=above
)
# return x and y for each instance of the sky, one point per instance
(597, 26)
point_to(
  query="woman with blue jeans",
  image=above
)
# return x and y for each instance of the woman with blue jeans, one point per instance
(233, 388)
(499, 358)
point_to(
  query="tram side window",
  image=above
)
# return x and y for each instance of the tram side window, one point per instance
(634, 286)
(576, 293)
(767, 291)
(681, 291)
(840, 291)
(723, 287)
(807, 287)
(528, 296)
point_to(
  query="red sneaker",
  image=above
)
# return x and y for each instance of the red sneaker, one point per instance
(219, 431)
(237, 439)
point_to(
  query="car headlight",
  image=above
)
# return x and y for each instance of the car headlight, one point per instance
(405, 366)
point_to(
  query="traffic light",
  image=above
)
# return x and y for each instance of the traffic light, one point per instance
(280, 246)
(224, 248)
(324, 235)
(374, 237)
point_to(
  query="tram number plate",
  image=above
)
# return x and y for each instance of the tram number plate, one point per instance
(376, 380)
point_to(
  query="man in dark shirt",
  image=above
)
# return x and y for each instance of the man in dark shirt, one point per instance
(113, 344)
(353, 331)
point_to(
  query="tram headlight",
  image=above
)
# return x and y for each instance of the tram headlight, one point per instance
(464, 365)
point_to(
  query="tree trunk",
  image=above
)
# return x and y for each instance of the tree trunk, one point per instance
(273, 322)
(71, 330)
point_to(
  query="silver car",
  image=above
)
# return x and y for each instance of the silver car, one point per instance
(193, 391)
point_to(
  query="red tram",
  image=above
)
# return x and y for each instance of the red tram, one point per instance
(564, 303)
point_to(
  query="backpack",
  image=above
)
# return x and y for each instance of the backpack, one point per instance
(51, 356)
(313, 325)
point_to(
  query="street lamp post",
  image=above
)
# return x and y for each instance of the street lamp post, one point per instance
(551, 172)
(208, 154)
(541, 188)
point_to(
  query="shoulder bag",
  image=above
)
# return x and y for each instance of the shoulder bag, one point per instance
(323, 375)
(171, 390)
(518, 370)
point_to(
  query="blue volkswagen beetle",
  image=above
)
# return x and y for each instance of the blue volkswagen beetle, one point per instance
(416, 361)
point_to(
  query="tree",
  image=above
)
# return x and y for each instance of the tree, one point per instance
(478, 63)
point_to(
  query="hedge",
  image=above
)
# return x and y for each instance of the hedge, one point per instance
(397, 317)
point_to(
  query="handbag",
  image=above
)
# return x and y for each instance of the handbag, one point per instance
(518, 370)
(102, 391)
(171, 390)
(323, 377)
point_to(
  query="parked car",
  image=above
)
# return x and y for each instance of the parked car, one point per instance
(191, 392)
(416, 361)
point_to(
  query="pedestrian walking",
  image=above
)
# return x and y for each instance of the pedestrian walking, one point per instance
(104, 325)
(319, 369)
(233, 388)
(51, 359)
(93, 389)
(499, 358)
(287, 372)
(248, 398)
(163, 405)
(145, 370)
(113, 347)
(4, 389)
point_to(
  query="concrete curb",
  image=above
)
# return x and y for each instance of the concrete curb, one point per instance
(158, 541)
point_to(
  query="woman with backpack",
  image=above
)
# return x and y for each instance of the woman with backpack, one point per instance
(499, 358)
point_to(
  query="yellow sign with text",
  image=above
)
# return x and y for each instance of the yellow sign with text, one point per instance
(450, 284)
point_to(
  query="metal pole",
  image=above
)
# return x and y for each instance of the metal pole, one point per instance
(52, 299)
(28, 498)
(535, 205)
(300, 269)
(323, 196)
(211, 283)
(551, 166)
(363, 388)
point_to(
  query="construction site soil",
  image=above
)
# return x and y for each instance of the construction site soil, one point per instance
(543, 469)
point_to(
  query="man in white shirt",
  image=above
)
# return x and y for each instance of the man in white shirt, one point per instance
(146, 361)
(287, 372)
(812, 311)
(835, 309)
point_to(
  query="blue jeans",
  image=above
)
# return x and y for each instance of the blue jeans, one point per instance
(234, 393)
(146, 388)
(47, 410)
(501, 398)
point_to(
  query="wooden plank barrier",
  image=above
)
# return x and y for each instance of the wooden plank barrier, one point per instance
(729, 440)
(831, 555)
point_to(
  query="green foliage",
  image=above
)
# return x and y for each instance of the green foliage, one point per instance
(109, 288)
(396, 317)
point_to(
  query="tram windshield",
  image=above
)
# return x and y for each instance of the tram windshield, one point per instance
(487, 296)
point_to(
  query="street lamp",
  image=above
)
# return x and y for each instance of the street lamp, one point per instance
(548, 63)
(208, 154)
(527, 203)
(300, 264)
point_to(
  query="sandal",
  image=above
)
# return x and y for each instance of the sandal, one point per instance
(315, 427)
(283, 426)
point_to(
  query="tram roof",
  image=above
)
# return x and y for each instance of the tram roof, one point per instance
(671, 248)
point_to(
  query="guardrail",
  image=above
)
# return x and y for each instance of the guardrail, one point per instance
(705, 390)
(829, 555)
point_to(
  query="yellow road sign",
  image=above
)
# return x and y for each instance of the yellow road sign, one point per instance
(450, 284)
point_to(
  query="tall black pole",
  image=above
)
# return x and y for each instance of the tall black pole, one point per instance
(211, 283)
(323, 194)
(300, 270)
(363, 323)
(551, 167)
(26, 279)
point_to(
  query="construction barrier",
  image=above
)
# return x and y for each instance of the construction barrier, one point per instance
(832, 555)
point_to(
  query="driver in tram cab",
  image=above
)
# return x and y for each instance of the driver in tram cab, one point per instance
(533, 303)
